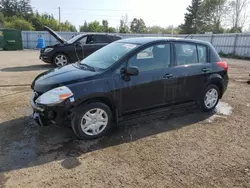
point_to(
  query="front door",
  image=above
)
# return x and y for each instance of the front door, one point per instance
(86, 46)
(80, 47)
(147, 90)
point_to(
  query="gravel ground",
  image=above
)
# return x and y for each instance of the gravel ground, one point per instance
(178, 149)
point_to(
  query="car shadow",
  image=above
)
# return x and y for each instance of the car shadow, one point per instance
(28, 68)
(23, 144)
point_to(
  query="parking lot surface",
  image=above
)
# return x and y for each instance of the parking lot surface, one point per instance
(185, 148)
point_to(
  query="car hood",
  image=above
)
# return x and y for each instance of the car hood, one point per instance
(54, 34)
(60, 77)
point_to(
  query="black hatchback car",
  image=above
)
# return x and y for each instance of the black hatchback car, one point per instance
(128, 78)
(75, 49)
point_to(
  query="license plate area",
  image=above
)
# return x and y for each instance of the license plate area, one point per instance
(37, 118)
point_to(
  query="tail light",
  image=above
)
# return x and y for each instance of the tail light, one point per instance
(223, 65)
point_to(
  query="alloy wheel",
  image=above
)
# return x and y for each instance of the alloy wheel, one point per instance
(211, 98)
(61, 60)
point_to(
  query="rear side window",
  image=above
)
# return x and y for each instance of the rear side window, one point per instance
(186, 53)
(114, 38)
(102, 39)
(202, 53)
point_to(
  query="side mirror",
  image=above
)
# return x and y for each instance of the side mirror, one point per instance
(130, 71)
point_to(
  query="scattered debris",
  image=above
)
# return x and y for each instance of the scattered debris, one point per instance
(224, 109)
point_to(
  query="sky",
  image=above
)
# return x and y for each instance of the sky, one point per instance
(157, 12)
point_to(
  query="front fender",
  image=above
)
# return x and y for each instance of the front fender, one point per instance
(92, 89)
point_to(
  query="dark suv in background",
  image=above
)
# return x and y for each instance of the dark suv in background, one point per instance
(126, 79)
(75, 49)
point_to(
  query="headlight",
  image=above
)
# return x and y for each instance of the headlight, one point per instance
(55, 96)
(48, 50)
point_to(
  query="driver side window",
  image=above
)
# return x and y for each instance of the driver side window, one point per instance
(83, 40)
(152, 58)
(91, 39)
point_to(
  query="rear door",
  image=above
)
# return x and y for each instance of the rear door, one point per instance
(97, 42)
(193, 68)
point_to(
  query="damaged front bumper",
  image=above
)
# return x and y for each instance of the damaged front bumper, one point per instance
(47, 115)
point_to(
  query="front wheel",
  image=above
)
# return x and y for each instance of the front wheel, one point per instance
(92, 120)
(61, 60)
(210, 98)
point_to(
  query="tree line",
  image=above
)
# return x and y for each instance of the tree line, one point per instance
(217, 16)
(18, 14)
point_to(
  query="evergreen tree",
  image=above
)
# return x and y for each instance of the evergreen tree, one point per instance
(193, 20)
(25, 7)
(213, 13)
(85, 27)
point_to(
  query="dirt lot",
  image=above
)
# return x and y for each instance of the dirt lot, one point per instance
(181, 149)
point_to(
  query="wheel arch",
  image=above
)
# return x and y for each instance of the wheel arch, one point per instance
(217, 80)
(57, 53)
(104, 100)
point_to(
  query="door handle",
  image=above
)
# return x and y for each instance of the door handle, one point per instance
(205, 70)
(168, 76)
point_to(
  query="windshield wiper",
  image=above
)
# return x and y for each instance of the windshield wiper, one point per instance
(86, 67)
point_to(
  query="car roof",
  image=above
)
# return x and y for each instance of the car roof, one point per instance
(103, 34)
(145, 40)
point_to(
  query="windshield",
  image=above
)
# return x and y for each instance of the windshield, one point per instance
(72, 40)
(108, 55)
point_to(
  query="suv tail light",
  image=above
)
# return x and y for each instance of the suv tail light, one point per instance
(223, 65)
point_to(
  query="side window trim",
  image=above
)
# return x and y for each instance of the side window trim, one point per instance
(197, 52)
(173, 54)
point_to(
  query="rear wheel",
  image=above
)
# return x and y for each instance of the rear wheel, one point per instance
(210, 98)
(92, 120)
(61, 60)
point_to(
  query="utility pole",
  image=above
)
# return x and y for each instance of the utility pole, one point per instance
(59, 8)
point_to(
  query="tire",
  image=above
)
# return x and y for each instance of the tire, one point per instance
(97, 115)
(213, 92)
(60, 60)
